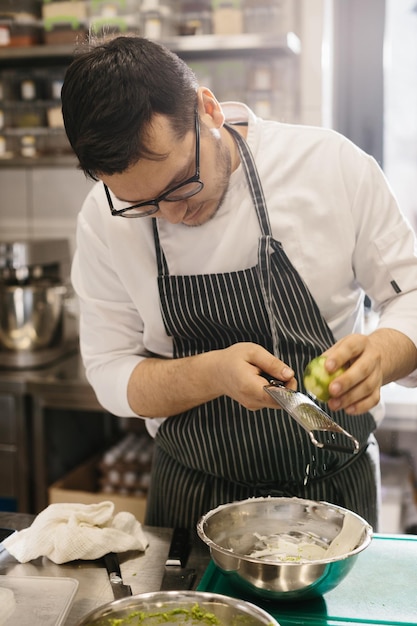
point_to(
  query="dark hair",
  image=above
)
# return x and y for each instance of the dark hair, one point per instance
(110, 93)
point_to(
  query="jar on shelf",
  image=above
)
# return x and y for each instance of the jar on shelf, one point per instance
(227, 17)
(28, 146)
(6, 147)
(54, 117)
(3, 147)
(55, 88)
(28, 89)
(158, 20)
(195, 17)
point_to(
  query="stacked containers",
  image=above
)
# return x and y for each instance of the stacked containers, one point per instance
(64, 21)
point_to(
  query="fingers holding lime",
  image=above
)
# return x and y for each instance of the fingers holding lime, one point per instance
(317, 379)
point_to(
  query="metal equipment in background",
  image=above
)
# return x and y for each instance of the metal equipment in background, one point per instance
(36, 325)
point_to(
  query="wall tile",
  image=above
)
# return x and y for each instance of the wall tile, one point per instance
(58, 193)
(57, 196)
(13, 203)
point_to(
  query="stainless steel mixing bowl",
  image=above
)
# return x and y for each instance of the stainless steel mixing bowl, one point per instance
(178, 607)
(30, 315)
(284, 548)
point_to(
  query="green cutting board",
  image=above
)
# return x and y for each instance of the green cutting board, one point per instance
(381, 588)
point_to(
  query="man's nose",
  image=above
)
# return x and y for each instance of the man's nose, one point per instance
(173, 212)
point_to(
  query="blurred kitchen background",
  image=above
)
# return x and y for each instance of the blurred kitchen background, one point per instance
(345, 64)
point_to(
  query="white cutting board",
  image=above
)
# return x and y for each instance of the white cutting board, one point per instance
(40, 600)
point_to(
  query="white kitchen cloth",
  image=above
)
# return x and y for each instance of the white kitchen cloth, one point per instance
(66, 532)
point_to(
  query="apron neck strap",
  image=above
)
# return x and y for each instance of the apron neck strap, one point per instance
(160, 256)
(253, 180)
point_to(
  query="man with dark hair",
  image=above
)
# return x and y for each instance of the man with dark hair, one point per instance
(256, 245)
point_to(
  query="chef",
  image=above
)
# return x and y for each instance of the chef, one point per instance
(214, 247)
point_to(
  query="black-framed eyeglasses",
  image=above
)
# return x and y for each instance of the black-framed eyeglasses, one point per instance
(183, 191)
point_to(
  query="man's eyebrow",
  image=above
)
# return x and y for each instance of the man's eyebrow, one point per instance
(175, 180)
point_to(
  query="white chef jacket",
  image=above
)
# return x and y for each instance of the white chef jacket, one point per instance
(330, 206)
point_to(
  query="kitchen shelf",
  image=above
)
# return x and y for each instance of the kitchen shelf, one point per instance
(55, 160)
(225, 45)
(33, 56)
(33, 130)
(205, 45)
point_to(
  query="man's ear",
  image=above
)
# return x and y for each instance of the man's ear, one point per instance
(209, 108)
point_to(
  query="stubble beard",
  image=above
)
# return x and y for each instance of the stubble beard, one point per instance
(220, 182)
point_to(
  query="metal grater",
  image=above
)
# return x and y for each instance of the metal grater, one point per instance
(310, 416)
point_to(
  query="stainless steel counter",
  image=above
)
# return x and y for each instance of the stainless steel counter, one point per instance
(142, 571)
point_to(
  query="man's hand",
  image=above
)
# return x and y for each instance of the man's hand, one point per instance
(372, 361)
(164, 387)
(239, 369)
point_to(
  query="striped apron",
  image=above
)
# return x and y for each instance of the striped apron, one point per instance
(219, 451)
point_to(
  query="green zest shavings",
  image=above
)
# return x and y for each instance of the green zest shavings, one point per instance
(203, 616)
(195, 615)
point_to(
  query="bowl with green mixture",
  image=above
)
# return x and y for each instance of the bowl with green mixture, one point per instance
(170, 608)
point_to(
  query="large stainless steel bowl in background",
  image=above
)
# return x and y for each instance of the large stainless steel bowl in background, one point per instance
(178, 607)
(284, 548)
(31, 315)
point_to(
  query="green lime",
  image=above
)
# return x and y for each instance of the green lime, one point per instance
(317, 379)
